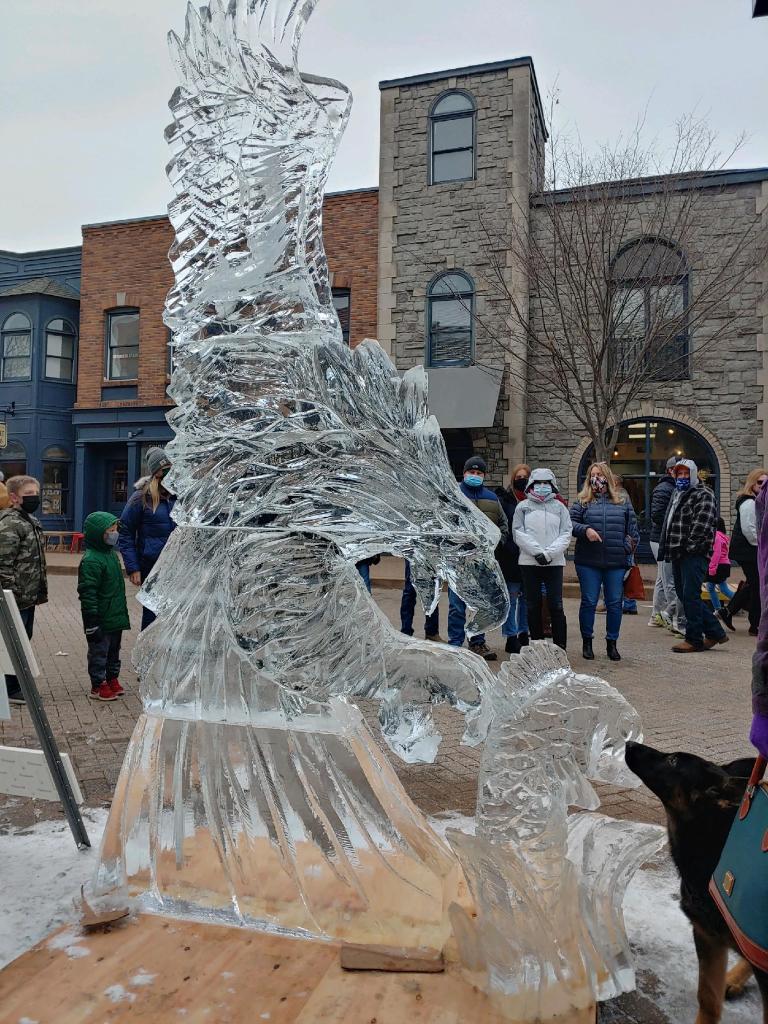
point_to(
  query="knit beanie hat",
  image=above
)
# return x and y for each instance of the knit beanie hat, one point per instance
(157, 460)
(475, 463)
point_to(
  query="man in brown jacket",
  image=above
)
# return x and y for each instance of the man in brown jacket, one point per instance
(22, 558)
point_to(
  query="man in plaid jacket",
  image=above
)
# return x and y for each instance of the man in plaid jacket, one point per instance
(687, 538)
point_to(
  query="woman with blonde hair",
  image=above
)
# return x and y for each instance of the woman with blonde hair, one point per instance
(606, 533)
(146, 523)
(744, 550)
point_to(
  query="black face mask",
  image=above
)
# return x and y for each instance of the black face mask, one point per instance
(30, 503)
(520, 483)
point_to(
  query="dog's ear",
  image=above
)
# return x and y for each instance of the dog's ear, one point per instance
(739, 769)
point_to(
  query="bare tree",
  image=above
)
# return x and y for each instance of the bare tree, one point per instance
(625, 284)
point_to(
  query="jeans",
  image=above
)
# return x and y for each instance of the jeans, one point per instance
(28, 619)
(552, 578)
(457, 617)
(517, 620)
(724, 589)
(690, 573)
(749, 596)
(591, 579)
(365, 571)
(104, 657)
(408, 607)
(665, 600)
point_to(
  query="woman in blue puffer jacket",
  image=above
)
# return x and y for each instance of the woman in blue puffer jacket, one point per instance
(605, 528)
(146, 523)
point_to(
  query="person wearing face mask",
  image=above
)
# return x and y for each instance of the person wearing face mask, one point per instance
(22, 558)
(687, 541)
(515, 629)
(542, 530)
(744, 550)
(473, 488)
(146, 523)
(101, 589)
(605, 528)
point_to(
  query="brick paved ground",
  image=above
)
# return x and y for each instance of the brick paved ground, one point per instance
(699, 703)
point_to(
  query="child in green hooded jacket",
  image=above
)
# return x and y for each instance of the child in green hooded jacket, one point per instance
(101, 589)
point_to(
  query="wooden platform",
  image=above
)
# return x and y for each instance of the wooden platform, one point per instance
(162, 970)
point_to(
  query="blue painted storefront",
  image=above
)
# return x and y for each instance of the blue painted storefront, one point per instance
(38, 291)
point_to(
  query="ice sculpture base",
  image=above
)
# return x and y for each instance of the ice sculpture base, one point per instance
(146, 971)
(279, 829)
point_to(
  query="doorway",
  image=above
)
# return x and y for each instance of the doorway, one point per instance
(116, 485)
(640, 458)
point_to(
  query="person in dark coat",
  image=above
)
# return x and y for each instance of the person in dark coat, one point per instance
(515, 629)
(759, 732)
(605, 528)
(666, 610)
(744, 551)
(687, 541)
(146, 523)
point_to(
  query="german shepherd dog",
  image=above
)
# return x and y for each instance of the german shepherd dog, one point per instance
(701, 800)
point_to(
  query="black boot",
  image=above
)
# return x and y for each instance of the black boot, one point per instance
(613, 653)
(512, 646)
(586, 648)
(523, 639)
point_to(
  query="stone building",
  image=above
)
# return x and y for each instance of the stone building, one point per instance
(462, 152)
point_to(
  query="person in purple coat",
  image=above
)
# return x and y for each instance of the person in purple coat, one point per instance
(759, 731)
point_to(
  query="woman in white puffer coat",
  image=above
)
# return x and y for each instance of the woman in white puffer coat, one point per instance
(542, 530)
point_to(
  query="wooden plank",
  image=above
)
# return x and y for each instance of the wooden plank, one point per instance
(387, 958)
(153, 969)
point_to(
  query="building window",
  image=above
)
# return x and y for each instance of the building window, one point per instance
(341, 303)
(123, 344)
(60, 351)
(649, 304)
(13, 459)
(450, 312)
(16, 348)
(55, 485)
(452, 138)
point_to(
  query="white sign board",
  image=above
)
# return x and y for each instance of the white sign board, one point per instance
(26, 773)
(6, 665)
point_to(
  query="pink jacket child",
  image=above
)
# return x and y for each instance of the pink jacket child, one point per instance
(720, 557)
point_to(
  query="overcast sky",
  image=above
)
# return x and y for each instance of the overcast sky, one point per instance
(84, 85)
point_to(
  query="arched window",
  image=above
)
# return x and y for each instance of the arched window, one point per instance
(649, 305)
(57, 462)
(450, 313)
(16, 348)
(13, 459)
(452, 138)
(60, 351)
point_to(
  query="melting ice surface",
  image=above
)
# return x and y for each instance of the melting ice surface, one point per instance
(252, 791)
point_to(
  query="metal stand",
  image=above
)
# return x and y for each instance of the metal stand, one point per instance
(23, 671)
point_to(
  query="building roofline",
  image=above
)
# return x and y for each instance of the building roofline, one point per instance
(40, 252)
(646, 186)
(475, 69)
(164, 216)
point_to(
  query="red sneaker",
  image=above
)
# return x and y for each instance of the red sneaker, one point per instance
(115, 687)
(103, 692)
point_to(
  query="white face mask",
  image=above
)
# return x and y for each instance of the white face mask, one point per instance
(542, 490)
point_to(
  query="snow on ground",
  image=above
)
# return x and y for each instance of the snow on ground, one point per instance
(42, 870)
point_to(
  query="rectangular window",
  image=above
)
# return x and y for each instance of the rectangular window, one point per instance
(341, 303)
(640, 314)
(59, 356)
(55, 490)
(450, 331)
(17, 356)
(123, 345)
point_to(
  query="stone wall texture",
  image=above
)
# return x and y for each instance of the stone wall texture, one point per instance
(721, 397)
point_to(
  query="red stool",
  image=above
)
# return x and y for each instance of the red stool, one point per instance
(77, 541)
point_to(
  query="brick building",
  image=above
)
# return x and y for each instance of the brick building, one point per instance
(125, 358)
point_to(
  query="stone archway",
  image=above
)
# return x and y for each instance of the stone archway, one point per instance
(647, 410)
